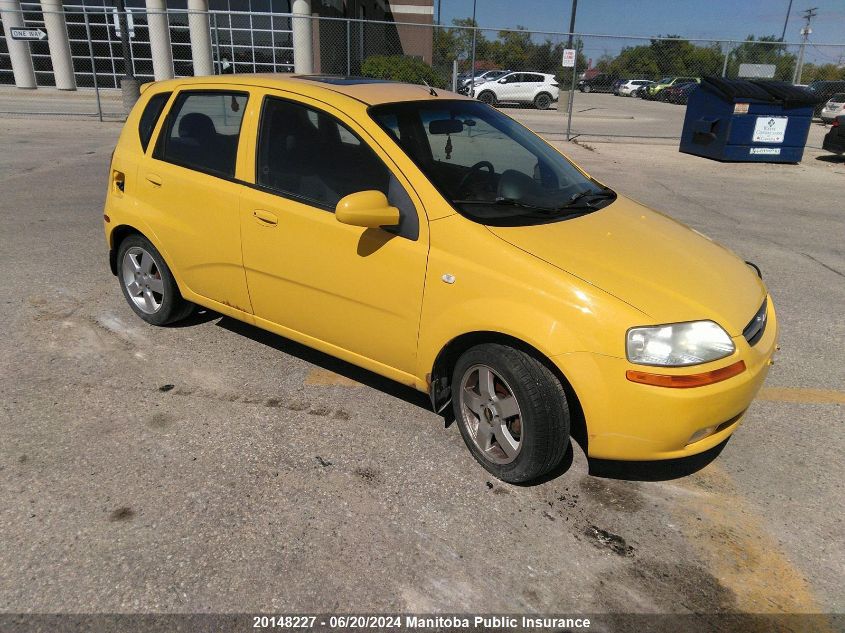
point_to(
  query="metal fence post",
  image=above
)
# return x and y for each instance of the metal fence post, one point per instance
(727, 55)
(93, 67)
(571, 99)
(348, 48)
(217, 65)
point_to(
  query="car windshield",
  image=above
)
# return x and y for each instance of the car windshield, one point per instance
(665, 80)
(838, 98)
(489, 167)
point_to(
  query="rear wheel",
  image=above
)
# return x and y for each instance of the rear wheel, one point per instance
(148, 284)
(511, 410)
(487, 97)
(542, 101)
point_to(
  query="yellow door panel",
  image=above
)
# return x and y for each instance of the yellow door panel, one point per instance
(189, 194)
(355, 288)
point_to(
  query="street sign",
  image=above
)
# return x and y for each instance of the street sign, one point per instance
(757, 71)
(569, 57)
(130, 22)
(27, 35)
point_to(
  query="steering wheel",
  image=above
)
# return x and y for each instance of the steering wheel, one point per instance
(475, 169)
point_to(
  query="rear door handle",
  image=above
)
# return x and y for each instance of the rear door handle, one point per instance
(265, 217)
(154, 179)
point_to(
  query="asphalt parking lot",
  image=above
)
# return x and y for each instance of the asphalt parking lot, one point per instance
(215, 467)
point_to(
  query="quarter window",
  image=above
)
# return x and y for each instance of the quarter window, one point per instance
(203, 130)
(150, 116)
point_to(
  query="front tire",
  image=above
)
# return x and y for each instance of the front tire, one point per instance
(487, 97)
(147, 283)
(586, 89)
(511, 410)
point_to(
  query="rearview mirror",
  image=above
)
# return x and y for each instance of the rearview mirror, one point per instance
(445, 126)
(366, 208)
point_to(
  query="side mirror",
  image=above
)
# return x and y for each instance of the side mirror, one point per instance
(366, 208)
(503, 81)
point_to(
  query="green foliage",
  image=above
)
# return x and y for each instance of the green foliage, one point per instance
(661, 57)
(400, 68)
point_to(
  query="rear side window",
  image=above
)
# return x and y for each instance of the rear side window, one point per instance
(202, 131)
(149, 117)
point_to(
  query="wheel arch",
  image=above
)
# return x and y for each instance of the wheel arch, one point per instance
(116, 237)
(444, 363)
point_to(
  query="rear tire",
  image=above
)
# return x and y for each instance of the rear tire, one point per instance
(488, 97)
(511, 410)
(543, 101)
(147, 283)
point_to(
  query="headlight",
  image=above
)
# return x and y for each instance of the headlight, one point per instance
(678, 344)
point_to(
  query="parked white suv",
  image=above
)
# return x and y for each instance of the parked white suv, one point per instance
(628, 88)
(521, 87)
(833, 108)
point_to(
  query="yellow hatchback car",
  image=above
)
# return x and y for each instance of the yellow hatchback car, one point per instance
(431, 239)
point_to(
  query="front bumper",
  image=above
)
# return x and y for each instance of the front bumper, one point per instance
(636, 422)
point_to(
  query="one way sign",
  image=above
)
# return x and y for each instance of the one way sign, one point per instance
(27, 35)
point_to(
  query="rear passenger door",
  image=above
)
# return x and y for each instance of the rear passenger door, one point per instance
(187, 180)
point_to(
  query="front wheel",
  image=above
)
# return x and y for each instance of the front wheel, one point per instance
(511, 410)
(487, 97)
(586, 89)
(147, 283)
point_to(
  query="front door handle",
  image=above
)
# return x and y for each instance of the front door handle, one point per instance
(265, 217)
(154, 179)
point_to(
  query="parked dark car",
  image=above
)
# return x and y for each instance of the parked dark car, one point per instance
(602, 82)
(616, 85)
(680, 94)
(672, 93)
(824, 90)
(834, 140)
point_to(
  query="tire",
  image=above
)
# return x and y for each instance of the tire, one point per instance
(501, 392)
(488, 97)
(586, 89)
(147, 283)
(543, 101)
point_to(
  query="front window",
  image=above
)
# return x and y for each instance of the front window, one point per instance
(489, 167)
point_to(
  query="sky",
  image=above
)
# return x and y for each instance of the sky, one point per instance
(708, 19)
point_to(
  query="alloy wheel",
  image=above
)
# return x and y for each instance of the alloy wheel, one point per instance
(491, 414)
(142, 280)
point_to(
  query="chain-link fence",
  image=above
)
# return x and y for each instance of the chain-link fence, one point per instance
(513, 67)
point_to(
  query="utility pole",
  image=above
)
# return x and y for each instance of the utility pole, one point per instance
(809, 14)
(565, 104)
(472, 67)
(786, 21)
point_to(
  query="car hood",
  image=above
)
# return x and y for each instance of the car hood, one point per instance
(650, 261)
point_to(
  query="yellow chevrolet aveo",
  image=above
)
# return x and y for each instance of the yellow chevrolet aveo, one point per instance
(431, 239)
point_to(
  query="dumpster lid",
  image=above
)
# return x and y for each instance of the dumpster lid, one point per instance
(766, 91)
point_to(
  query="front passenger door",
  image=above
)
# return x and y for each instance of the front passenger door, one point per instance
(355, 289)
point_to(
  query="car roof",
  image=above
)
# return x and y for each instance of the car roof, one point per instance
(364, 89)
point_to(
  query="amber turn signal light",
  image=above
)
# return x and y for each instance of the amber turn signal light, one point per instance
(689, 380)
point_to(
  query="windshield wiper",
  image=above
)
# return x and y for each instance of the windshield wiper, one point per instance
(602, 194)
(512, 202)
